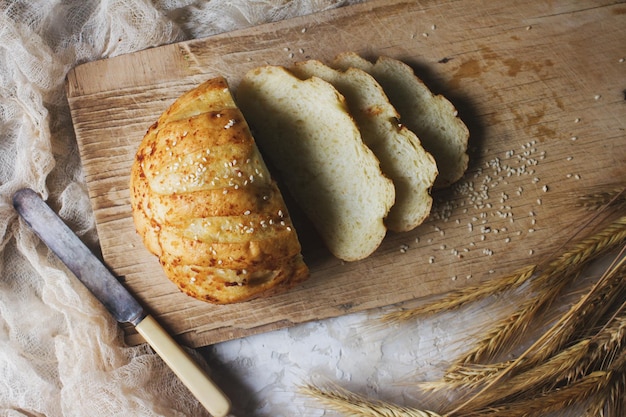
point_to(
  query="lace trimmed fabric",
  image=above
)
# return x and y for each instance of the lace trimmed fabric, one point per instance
(61, 354)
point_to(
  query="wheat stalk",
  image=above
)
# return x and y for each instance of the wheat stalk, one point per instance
(595, 303)
(459, 298)
(596, 199)
(573, 360)
(597, 352)
(351, 404)
(547, 285)
(466, 377)
(548, 401)
(545, 346)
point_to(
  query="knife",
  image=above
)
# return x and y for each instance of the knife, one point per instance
(121, 304)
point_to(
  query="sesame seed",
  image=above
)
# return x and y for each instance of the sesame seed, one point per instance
(597, 97)
(545, 188)
(246, 213)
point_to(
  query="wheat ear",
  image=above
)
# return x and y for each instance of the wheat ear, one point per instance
(351, 404)
(611, 195)
(459, 298)
(548, 401)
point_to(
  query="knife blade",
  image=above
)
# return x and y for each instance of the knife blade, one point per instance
(79, 259)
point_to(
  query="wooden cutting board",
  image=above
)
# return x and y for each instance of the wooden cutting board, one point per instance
(541, 86)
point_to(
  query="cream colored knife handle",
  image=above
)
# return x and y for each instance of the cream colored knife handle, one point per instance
(204, 389)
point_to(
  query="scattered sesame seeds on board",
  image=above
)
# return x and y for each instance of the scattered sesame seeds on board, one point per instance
(481, 206)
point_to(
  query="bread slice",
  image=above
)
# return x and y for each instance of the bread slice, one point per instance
(203, 201)
(402, 157)
(432, 117)
(304, 128)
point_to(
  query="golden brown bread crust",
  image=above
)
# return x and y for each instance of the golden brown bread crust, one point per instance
(203, 201)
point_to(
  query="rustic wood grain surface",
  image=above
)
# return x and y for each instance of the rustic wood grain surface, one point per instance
(541, 86)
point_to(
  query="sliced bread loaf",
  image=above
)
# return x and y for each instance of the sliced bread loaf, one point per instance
(402, 157)
(304, 128)
(432, 117)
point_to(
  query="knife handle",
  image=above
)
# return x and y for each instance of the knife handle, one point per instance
(198, 382)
